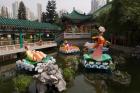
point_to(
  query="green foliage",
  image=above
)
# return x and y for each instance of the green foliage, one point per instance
(122, 20)
(50, 15)
(95, 32)
(43, 17)
(102, 19)
(68, 74)
(71, 62)
(21, 83)
(51, 11)
(22, 11)
(131, 11)
(72, 59)
(127, 19)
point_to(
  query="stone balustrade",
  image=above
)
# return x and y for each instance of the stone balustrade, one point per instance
(77, 35)
(10, 49)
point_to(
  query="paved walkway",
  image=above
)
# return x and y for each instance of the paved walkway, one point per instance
(12, 49)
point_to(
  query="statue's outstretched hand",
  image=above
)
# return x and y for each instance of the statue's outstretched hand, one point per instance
(94, 37)
(108, 43)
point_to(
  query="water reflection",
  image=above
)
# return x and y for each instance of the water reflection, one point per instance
(7, 71)
(132, 67)
(81, 86)
(81, 82)
(98, 81)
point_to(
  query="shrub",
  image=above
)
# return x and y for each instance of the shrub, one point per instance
(21, 83)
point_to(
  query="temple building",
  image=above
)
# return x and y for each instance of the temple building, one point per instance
(76, 22)
(77, 26)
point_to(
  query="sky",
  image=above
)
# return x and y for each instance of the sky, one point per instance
(68, 5)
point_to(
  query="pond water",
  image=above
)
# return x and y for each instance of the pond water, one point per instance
(132, 67)
(79, 84)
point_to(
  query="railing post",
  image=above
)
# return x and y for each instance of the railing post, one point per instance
(13, 38)
(21, 40)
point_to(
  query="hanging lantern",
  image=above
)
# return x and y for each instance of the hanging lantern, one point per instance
(48, 35)
(31, 36)
(8, 36)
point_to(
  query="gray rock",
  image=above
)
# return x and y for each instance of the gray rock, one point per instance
(50, 74)
(41, 88)
(61, 85)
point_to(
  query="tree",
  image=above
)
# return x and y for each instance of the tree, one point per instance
(131, 13)
(107, 1)
(123, 21)
(22, 11)
(43, 17)
(126, 17)
(51, 11)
